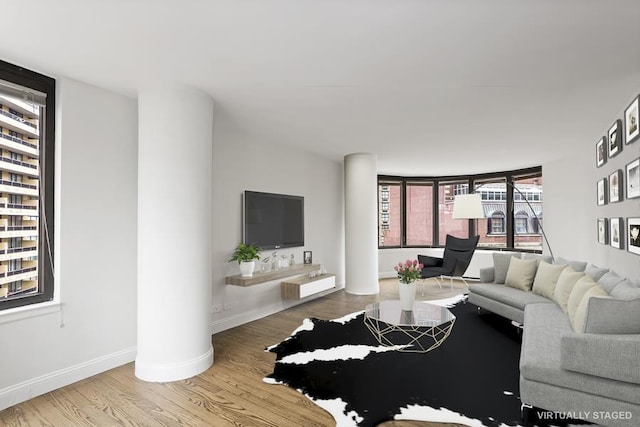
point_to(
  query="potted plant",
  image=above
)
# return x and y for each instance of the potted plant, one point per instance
(245, 256)
(408, 273)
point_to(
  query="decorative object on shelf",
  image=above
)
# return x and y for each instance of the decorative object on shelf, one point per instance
(615, 138)
(603, 231)
(632, 121)
(245, 256)
(308, 258)
(408, 273)
(602, 192)
(615, 232)
(284, 262)
(633, 179)
(633, 235)
(292, 261)
(265, 264)
(615, 187)
(601, 151)
(274, 261)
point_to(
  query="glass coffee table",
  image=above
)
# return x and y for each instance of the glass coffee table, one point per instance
(419, 330)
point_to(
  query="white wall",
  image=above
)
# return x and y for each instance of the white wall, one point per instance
(95, 229)
(242, 162)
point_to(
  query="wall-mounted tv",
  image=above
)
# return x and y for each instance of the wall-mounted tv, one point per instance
(273, 220)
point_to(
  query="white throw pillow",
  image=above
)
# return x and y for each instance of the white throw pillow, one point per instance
(521, 273)
(579, 318)
(546, 278)
(566, 281)
(579, 289)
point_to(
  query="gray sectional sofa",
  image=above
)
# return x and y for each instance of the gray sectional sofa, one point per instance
(580, 355)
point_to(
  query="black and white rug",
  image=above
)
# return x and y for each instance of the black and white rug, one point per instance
(471, 379)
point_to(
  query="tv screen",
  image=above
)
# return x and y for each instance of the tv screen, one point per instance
(273, 220)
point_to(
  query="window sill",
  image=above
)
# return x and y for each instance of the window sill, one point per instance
(29, 311)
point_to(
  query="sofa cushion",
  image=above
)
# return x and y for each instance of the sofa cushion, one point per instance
(625, 290)
(521, 273)
(579, 317)
(540, 360)
(613, 316)
(576, 265)
(546, 279)
(567, 279)
(579, 289)
(538, 257)
(501, 266)
(595, 272)
(609, 280)
(506, 295)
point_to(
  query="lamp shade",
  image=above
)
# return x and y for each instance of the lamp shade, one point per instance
(468, 206)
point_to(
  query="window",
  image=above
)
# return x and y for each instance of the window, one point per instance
(27, 161)
(418, 211)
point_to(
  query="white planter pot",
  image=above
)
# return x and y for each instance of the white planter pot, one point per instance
(246, 268)
(407, 292)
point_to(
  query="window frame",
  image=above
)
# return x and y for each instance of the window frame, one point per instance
(471, 180)
(32, 80)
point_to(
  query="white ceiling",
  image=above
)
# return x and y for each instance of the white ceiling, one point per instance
(432, 86)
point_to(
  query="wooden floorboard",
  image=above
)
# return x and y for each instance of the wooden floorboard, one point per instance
(231, 393)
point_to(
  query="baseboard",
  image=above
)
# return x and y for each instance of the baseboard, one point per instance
(249, 316)
(40, 385)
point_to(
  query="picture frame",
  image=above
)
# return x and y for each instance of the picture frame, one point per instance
(614, 136)
(633, 235)
(632, 179)
(601, 151)
(602, 192)
(615, 187)
(603, 231)
(308, 258)
(632, 121)
(616, 232)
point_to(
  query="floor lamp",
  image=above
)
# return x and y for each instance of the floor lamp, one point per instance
(469, 206)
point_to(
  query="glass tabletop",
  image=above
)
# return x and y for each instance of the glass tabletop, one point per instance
(423, 313)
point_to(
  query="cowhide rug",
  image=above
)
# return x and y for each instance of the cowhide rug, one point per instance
(471, 379)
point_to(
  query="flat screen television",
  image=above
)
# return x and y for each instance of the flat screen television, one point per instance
(273, 220)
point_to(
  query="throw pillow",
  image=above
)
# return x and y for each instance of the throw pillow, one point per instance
(579, 289)
(521, 273)
(625, 290)
(613, 316)
(546, 278)
(538, 257)
(567, 279)
(487, 275)
(579, 319)
(576, 265)
(501, 266)
(609, 280)
(595, 272)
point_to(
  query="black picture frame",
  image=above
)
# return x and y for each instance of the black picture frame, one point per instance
(603, 231)
(601, 151)
(632, 179)
(308, 257)
(616, 189)
(632, 121)
(602, 191)
(614, 136)
(616, 232)
(633, 235)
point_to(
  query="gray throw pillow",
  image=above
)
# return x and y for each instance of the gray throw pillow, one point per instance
(610, 280)
(613, 316)
(625, 290)
(575, 265)
(545, 258)
(595, 272)
(501, 266)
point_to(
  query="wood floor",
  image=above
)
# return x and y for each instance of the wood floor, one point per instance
(230, 393)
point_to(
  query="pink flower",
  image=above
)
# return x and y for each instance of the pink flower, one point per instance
(420, 266)
(415, 262)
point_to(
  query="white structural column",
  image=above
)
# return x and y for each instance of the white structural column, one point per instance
(361, 224)
(175, 142)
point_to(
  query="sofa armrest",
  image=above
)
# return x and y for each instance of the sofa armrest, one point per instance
(487, 275)
(607, 356)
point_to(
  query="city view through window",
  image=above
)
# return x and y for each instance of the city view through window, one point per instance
(407, 212)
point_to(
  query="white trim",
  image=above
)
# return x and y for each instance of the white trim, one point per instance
(45, 383)
(174, 371)
(29, 311)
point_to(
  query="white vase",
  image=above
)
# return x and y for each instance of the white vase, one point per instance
(246, 268)
(407, 292)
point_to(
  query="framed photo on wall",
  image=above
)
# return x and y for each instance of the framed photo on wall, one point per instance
(616, 232)
(615, 187)
(308, 258)
(631, 121)
(615, 138)
(633, 235)
(632, 172)
(602, 192)
(601, 151)
(603, 231)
